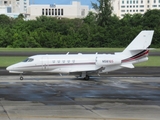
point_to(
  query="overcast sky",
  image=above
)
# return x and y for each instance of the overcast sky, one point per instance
(63, 2)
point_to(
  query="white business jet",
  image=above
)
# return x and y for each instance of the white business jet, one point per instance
(86, 64)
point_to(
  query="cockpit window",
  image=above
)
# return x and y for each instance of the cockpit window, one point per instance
(28, 60)
(25, 60)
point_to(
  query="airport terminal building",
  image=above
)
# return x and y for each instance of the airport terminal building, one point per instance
(75, 10)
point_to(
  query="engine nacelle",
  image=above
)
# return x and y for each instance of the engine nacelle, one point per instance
(107, 60)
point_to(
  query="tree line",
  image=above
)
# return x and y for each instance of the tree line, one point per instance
(94, 30)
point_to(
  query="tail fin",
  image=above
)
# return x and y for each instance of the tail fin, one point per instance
(137, 50)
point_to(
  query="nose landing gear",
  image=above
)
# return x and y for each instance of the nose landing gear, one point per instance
(21, 77)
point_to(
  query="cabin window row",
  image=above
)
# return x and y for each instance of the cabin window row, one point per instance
(53, 12)
(63, 61)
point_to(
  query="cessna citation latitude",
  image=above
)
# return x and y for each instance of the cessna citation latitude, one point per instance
(85, 65)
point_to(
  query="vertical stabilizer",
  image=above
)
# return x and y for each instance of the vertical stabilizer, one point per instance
(141, 42)
(137, 51)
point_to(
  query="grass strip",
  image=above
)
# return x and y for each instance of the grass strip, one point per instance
(6, 61)
(60, 49)
(154, 61)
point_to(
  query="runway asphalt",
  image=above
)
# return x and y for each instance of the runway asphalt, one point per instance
(68, 98)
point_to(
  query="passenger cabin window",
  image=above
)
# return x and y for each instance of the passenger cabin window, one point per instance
(28, 60)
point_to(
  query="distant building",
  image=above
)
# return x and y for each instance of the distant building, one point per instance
(13, 8)
(122, 7)
(75, 10)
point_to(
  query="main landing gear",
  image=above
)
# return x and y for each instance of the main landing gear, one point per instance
(86, 78)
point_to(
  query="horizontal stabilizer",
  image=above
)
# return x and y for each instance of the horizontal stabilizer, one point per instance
(127, 65)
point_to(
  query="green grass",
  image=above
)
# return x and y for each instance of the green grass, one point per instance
(154, 61)
(60, 49)
(6, 61)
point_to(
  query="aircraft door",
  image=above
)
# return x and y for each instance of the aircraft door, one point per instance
(45, 63)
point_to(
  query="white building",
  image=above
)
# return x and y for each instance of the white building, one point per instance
(16, 6)
(122, 7)
(13, 8)
(75, 10)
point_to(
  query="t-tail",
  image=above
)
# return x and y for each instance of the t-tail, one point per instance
(137, 51)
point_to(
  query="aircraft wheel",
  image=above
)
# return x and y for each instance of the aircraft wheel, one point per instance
(21, 78)
(87, 77)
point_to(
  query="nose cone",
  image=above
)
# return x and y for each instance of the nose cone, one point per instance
(13, 69)
(9, 68)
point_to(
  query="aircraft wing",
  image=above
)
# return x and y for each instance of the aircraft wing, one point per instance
(73, 70)
(83, 70)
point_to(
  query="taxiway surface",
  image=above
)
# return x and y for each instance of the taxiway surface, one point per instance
(69, 98)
